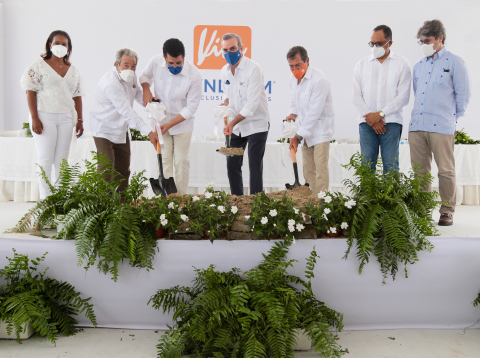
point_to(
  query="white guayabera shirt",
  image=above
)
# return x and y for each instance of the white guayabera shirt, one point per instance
(382, 87)
(311, 101)
(180, 93)
(54, 93)
(246, 94)
(113, 112)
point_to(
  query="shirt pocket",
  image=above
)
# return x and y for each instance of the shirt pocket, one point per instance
(444, 79)
(304, 100)
(242, 90)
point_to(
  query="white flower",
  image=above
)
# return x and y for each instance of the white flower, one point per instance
(171, 205)
(325, 216)
(300, 227)
(295, 210)
(291, 228)
(221, 209)
(195, 198)
(304, 217)
(275, 225)
(218, 226)
(328, 199)
(179, 209)
(328, 231)
(321, 195)
(344, 226)
(208, 195)
(176, 230)
(333, 230)
(291, 222)
(184, 218)
(273, 212)
(162, 217)
(247, 217)
(294, 241)
(327, 211)
(351, 203)
(164, 222)
(264, 220)
(211, 185)
(234, 209)
(212, 205)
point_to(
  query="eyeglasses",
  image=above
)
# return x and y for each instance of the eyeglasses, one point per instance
(425, 41)
(378, 44)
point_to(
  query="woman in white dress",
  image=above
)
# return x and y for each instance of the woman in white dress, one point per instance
(54, 90)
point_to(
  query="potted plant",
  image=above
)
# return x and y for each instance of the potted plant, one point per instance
(33, 298)
(331, 213)
(257, 314)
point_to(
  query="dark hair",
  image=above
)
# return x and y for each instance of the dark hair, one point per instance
(433, 28)
(297, 49)
(48, 53)
(387, 32)
(174, 48)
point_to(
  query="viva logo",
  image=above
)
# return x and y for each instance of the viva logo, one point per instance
(208, 44)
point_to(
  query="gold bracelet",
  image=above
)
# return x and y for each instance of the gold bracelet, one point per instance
(80, 119)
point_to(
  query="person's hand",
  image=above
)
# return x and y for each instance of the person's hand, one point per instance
(291, 117)
(37, 126)
(153, 138)
(79, 129)
(372, 118)
(164, 128)
(380, 127)
(228, 129)
(147, 96)
(294, 142)
(225, 103)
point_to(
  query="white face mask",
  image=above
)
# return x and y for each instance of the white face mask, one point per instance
(127, 75)
(428, 50)
(378, 51)
(59, 51)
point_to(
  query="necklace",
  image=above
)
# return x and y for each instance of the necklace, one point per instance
(58, 65)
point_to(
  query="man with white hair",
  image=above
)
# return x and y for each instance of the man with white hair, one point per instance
(113, 113)
(244, 92)
(442, 92)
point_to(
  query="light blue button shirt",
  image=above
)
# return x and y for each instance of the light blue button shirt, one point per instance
(442, 92)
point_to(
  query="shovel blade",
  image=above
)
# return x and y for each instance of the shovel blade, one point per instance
(170, 186)
(225, 154)
(158, 187)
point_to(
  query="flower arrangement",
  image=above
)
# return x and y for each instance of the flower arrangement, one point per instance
(275, 218)
(332, 213)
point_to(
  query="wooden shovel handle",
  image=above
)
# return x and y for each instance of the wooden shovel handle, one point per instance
(294, 155)
(225, 122)
(159, 149)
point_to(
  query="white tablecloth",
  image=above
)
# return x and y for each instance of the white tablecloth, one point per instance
(18, 178)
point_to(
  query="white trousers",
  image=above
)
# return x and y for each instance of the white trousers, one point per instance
(177, 153)
(53, 145)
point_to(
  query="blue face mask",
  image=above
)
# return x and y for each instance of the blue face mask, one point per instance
(175, 70)
(233, 57)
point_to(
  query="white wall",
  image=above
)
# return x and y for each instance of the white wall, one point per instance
(2, 72)
(335, 34)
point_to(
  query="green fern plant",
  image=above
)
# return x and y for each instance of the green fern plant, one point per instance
(48, 304)
(107, 226)
(226, 314)
(392, 216)
(477, 301)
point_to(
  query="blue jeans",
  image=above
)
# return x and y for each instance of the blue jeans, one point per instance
(389, 142)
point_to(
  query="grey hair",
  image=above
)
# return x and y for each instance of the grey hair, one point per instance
(433, 28)
(125, 51)
(229, 36)
(297, 49)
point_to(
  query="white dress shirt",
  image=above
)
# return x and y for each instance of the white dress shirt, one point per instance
(311, 101)
(180, 93)
(382, 87)
(54, 93)
(113, 112)
(246, 94)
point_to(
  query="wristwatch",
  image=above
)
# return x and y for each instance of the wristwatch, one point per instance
(300, 138)
(381, 114)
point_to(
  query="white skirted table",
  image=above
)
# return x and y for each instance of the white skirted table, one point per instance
(18, 178)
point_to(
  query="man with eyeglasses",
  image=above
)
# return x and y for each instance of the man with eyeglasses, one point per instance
(442, 91)
(244, 91)
(381, 88)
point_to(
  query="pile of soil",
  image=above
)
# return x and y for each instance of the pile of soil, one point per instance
(231, 151)
(301, 196)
